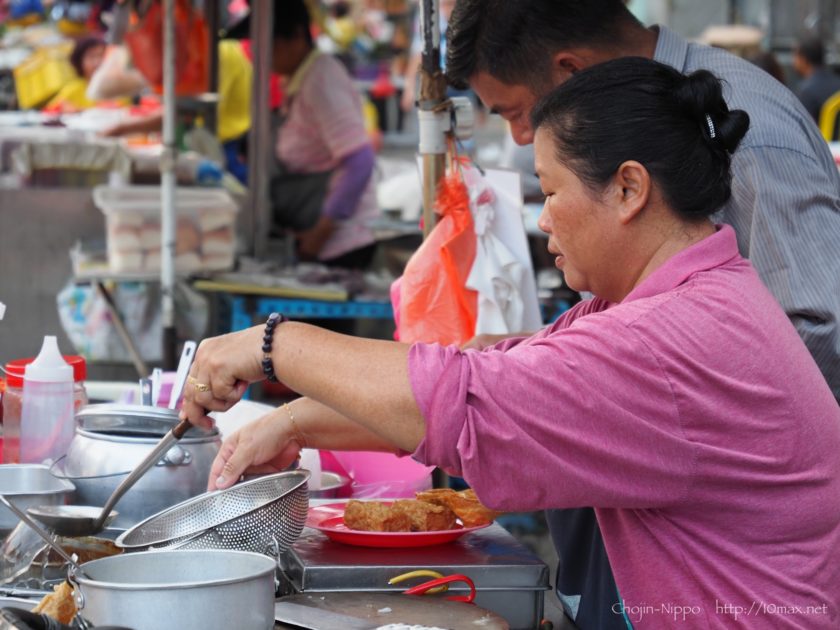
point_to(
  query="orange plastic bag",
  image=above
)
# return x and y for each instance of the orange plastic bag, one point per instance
(192, 41)
(435, 305)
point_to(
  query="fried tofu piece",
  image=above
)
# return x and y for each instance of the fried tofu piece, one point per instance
(426, 517)
(59, 604)
(465, 504)
(373, 516)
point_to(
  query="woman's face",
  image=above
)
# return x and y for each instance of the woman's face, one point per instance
(92, 59)
(579, 224)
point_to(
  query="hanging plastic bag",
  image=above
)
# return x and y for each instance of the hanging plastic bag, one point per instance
(192, 40)
(434, 304)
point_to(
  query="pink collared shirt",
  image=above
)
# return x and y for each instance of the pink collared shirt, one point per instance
(690, 415)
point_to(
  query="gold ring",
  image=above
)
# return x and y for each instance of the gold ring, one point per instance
(199, 387)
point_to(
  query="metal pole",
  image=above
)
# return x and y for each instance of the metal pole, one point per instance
(167, 189)
(432, 95)
(211, 16)
(260, 138)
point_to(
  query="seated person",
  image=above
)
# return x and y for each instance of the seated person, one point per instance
(680, 401)
(324, 189)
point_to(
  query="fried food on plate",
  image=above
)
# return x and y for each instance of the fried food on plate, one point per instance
(465, 504)
(426, 517)
(373, 516)
(59, 604)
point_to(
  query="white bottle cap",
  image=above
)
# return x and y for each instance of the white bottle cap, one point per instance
(2, 310)
(49, 366)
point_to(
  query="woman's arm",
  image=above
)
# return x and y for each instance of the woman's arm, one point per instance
(363, 380)
(271, 443)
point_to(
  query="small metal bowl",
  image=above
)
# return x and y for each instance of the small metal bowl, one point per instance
(332, 485)
(28, 485)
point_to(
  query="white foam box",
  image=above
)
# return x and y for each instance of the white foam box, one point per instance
(205, 233)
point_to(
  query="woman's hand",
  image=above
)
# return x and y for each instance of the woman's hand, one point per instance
(263, 446)
(223, 368)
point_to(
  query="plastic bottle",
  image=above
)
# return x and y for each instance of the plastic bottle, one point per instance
(46, 427)
(13, 401)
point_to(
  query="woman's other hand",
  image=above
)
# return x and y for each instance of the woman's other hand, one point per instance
(263, 446)
(223, 368)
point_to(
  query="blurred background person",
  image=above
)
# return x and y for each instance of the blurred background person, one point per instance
(233, 113)
(818, 81)
(323, 189)
(767, 61)
(88, 54)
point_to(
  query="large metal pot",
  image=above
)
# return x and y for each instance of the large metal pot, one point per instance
(207, 589)
(111, 440)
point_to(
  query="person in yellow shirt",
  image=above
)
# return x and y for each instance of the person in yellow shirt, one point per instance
(233, 117)
(86, 57)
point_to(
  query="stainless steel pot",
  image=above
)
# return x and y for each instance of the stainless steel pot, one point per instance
(207, 589)
(111, 440)
(28, 485)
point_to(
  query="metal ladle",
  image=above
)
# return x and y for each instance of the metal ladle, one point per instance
(84, 520)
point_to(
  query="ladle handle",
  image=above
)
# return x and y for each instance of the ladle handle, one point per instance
(150, 460)
(37, 529)
(184, 365)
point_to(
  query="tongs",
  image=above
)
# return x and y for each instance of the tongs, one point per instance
(440, 584)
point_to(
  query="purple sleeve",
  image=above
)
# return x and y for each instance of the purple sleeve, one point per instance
(348, 183)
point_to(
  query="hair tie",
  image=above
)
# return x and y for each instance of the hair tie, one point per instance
(709, 122)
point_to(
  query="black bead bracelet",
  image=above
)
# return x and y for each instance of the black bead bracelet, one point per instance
(268, 337)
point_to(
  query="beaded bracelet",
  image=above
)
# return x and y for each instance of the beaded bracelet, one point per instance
(268, 337)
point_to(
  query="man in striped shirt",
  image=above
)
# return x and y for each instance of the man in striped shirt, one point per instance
(785, 204)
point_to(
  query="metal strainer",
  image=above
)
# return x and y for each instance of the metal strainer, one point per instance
(265, 515)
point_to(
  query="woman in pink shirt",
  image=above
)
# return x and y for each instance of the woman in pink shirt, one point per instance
(679, 402)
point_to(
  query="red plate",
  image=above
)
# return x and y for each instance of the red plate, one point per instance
(330, 520)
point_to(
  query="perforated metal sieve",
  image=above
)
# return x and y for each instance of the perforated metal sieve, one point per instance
(265, 515)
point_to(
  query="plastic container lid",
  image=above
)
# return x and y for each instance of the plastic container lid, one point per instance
(15, 369)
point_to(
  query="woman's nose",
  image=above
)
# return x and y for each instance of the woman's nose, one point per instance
(542, 220)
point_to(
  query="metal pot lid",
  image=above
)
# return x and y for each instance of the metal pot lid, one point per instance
(136, 420)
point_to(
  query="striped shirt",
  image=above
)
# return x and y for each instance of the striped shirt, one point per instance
(785, 204)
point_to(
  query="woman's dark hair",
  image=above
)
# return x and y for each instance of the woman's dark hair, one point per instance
(678, 127)
(79, 51)
(513, 40)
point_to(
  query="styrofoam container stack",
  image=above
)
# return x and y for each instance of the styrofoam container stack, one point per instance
(205, 233)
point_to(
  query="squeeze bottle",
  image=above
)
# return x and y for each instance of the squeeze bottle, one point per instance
(46, 426)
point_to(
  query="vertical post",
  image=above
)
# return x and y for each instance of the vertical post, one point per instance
(260, 139)
(432, 94)
(211, 16)
(167, 188)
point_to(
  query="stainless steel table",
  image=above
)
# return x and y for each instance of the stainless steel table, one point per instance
(510, 580)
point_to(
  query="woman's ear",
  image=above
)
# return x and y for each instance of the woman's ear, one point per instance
(632, 185)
